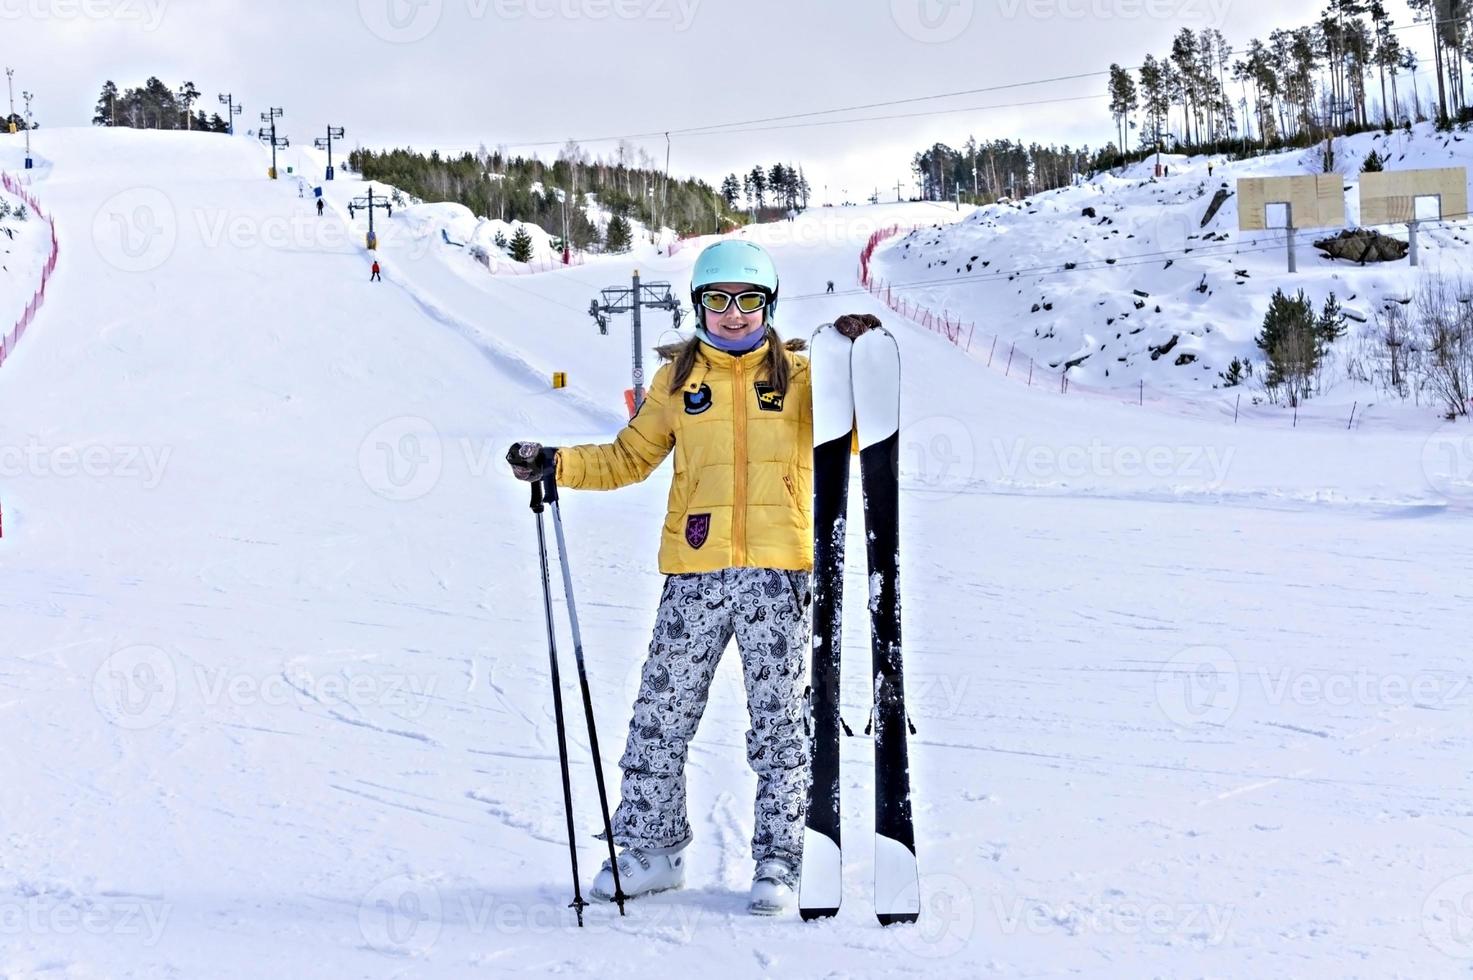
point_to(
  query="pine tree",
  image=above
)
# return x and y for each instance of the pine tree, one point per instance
(521, 245)
(1123, 101)
(1291, 345)
(106, 112)
(619, 235)
(731, 189)
(1236, 374)
(1330, 326)
(1374, 163)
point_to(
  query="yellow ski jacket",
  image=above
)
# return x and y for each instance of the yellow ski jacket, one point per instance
(742, 495)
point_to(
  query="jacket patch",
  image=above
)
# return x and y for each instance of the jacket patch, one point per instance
(697, 529)
(698, 401)
(769, 399)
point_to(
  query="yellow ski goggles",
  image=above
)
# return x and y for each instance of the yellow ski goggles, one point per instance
(719, 302)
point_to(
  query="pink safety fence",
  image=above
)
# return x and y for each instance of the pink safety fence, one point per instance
(12, 337)
(954, 329)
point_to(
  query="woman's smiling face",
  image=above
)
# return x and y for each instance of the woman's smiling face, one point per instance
(732, 324)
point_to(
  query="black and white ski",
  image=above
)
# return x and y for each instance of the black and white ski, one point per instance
(875, 369)
(858, 383)
(821, 884)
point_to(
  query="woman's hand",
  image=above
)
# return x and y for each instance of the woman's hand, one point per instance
(531, 461)
(852, 325)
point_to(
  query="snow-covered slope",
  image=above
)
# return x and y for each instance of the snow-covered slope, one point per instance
(1118, 280)
(273, 677)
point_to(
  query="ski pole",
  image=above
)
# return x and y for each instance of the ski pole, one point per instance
(550, 496)
(557, 700)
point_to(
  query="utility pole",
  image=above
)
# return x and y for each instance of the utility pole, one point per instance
(10, 85)
(368, 203)
(562, 196)
(27, 97)
(897, 192)
(232, 110)
(269, 136)
(325, 143)
(631, 299)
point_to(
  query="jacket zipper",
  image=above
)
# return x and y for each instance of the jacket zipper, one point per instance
(739, 471)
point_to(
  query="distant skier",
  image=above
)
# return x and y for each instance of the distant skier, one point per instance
(374, 273)
(319, 207)
(1209, 168)
(735, 407)
(831, 286)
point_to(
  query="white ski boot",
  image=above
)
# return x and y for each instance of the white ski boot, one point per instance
(641, 873)
(772, 888)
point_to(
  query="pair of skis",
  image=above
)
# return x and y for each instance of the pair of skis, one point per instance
(856, 383)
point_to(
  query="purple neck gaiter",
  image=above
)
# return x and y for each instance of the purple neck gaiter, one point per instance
(742, 345)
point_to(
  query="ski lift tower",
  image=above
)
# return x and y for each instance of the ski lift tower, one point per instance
(269, 137)
(368, 202)
(631, 299)
(325, 143)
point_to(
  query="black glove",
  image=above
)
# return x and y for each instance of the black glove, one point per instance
(852, 325)
(531, 461)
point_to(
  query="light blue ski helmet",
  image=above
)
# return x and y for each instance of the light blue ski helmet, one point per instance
(735, 261)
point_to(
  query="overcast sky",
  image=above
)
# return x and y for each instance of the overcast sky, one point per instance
(454, 73)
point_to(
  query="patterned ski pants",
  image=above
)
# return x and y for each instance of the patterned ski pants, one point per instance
(768, 612)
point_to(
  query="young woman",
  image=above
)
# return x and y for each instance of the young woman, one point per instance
(734, 405)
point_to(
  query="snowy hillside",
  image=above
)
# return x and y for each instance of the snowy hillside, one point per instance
(1118, 281)
(1189, 696)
